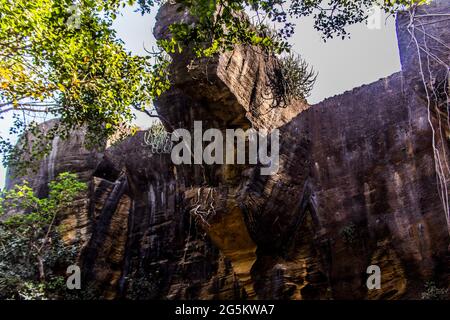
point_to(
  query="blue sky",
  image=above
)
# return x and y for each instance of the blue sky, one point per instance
(341, 64)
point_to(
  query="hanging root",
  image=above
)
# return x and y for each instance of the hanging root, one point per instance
(200, 211)
(437, 99)
(203, 209)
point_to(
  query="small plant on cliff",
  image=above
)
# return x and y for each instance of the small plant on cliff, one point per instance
(158, 139)
(298, 77)
(349, 234)
(31, 249)
(143, 285)
(432, 292)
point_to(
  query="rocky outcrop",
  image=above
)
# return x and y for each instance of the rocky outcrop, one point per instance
(357, 186)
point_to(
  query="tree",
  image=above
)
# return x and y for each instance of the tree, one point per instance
(29, 239)
(72, 68)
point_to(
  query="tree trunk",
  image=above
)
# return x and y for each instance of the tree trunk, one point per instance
(41, 268)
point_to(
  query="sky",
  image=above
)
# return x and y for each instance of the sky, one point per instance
(369, 54)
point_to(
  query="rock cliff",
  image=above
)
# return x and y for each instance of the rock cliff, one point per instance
(361, 182)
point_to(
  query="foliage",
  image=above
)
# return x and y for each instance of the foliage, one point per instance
(223, 24)
(434, 293)
(297, 76)
(158, 139)
(79, 71)
(349, 233)
(143, 285)
(31, 250)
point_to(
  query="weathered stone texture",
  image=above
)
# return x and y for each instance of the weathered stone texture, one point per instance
(356, 186)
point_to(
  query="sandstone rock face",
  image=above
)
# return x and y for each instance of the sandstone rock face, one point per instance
(357, 186)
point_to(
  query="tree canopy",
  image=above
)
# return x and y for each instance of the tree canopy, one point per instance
(74, 68)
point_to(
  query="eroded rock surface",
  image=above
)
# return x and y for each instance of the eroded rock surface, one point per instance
(357, 186)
